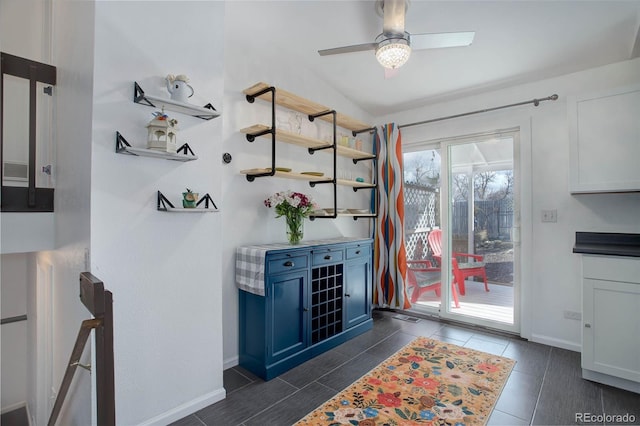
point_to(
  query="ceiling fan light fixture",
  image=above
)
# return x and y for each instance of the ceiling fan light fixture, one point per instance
(393, 52)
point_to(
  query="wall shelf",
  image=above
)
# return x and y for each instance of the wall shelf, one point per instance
(305, 106)
(184, 153)
(313, 111)
(206, 113)
(164, 205)
(260, 130)
(253, 173)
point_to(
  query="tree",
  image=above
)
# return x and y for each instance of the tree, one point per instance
(420, 169)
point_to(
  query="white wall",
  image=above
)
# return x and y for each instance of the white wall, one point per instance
(552, 280)
(245, 219)
(72, 47)
(14, 335)
(163, 268)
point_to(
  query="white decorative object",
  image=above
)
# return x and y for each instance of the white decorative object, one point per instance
(162, 133)
(178, 88)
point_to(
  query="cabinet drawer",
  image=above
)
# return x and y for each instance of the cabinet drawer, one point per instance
(358, 251)
(322, 257)
(611, 268)
(285, 264)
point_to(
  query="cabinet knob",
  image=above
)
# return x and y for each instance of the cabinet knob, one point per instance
(289, 264)
(327, 257)
(357, 251)
(306, 309)
(347, 295)
(587, 325)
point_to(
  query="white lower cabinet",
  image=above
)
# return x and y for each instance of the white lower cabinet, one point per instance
(611, 320)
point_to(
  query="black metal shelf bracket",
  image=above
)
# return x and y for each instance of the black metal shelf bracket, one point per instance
(207, 199)
(370, 130)
(164, 203)
(138, 95)
(322, 114)
(272, 130)
(252, 136)
(356, 160)
(185, 149)
(320, 182)
(356, 188)
(121, 143)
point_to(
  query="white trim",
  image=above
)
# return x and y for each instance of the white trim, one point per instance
(557, 343)
(231, 362)
(45, 390)
(12, 407)
(606, 379)
(187, 408)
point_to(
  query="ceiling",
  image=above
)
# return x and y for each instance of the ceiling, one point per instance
(516, 42)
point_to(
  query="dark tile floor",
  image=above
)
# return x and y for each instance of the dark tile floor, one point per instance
(545, 387)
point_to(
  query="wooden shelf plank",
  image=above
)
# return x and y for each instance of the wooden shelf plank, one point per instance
(287, 175)
(305, 141)
(355, 184)
(305, 106)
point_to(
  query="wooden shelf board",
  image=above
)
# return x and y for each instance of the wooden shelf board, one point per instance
(305, 106)
(355, 184)
(144, 152)
(305, 141)
(344, 151)
(287, 175)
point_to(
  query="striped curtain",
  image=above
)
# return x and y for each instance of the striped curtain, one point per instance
(390, 260)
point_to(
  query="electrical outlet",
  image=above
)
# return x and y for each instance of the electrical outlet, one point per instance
(573, 315)
(550, 215)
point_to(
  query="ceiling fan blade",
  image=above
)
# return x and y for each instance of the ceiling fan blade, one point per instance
(348, 49)
(438, 40)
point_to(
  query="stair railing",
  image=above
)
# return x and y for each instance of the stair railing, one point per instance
(100, 303)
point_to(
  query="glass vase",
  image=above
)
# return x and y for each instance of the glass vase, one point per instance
(295, 229)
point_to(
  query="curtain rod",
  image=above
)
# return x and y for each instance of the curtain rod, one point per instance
(535, 102)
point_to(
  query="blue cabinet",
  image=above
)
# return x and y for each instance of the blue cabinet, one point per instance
(296, 303)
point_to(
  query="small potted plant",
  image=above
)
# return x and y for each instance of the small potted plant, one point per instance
(189, 199)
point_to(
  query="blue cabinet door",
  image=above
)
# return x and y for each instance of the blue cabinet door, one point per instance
(357, 289)
(286, 313)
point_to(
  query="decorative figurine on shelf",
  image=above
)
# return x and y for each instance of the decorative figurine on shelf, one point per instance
(162, 133)
(178, 88)
(189, 199)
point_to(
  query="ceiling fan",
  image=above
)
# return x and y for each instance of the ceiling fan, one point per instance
(393, 46)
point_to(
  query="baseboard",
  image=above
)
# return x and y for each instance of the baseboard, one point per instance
(186, 409)
(12, 407)
(558, 343)
(231, 362)
(606, 379)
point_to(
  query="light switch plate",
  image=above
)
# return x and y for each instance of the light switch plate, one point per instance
(550, 215)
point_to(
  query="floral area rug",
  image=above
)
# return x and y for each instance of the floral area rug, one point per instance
(427, 382)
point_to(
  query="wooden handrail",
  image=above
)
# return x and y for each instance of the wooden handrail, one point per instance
(100, 303)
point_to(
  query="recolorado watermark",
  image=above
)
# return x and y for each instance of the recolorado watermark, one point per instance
(605, 418)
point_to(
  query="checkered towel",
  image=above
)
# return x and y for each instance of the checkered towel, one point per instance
(250, 269)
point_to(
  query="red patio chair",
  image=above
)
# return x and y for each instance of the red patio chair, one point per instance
(464, 264)
(422, 277)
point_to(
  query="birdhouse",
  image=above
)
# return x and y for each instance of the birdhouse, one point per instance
(162, 133)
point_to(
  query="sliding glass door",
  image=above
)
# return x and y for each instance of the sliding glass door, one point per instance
(460, 202)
